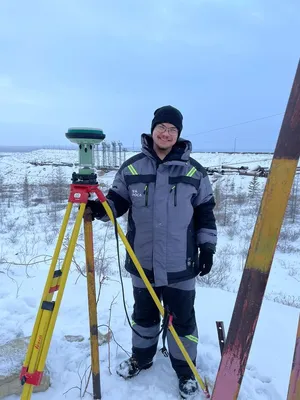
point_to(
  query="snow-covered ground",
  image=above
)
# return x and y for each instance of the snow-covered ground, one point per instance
(267, 373)
(26, 241)
(15, 166)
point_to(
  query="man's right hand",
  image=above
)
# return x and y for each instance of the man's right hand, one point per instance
(97, 209)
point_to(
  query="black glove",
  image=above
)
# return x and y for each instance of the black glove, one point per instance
(205, 261)
(98, 211)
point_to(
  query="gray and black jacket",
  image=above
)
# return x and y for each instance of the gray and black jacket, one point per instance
(170, 216)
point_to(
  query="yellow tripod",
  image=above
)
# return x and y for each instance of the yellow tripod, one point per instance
(34, 363)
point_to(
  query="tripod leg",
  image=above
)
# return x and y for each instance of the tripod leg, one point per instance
(91, 286)
(63, 280)
(49, 311)
(32, 351)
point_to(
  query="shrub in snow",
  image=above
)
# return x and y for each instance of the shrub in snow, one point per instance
(282, 298)
(220, 275)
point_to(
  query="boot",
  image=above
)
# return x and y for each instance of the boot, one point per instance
(130, 368)
(188, 387)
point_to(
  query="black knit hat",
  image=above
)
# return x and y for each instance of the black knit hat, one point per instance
(167, 114)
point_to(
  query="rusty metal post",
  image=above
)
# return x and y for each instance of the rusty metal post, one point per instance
(261, 252)
(91, 286)
(294, 386)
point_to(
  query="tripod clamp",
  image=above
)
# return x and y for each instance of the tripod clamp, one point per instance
(84, 179)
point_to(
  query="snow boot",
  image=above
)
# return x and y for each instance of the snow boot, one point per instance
(130, 368)
(188, 387)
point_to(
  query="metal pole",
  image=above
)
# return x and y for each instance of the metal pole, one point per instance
(114, 153)
(261, 252)
(221, 334)
(97, 151)
(91, 286)
(120, 153)
(108, 153)
(294, 386)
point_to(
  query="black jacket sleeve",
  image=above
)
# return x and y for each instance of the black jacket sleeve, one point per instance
(118, 196)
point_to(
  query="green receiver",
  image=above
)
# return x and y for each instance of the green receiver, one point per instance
(86, 138)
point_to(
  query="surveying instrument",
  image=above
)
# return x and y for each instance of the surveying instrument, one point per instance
(83, 185)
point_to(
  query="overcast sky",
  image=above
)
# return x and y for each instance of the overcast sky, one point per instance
(110, 64)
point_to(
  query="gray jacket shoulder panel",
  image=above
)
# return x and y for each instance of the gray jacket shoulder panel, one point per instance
(132, 160)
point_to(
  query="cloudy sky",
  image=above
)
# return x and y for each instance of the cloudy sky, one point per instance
(110, 64)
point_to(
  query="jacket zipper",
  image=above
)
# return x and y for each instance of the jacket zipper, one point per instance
(146, 195)
(175, 194)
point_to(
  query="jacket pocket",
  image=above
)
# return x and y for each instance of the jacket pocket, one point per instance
(138, 188)
(192, 249)
(183, 188)
(174, 180)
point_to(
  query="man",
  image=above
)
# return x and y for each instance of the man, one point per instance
(170, 202)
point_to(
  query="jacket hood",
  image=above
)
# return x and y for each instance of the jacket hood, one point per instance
(181, 150)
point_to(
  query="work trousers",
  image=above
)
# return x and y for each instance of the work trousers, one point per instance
(179, 299)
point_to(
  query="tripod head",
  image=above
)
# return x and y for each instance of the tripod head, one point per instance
(86, 138)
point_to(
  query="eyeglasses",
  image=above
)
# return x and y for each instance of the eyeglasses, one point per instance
(162, 128)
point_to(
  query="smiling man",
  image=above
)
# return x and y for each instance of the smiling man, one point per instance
(170, 202)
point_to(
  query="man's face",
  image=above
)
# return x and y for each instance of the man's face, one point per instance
(165, 135)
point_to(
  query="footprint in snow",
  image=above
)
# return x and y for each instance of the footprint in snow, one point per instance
(254, 374)
(30, 301)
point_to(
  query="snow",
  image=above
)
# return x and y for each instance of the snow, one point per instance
(269, 364)
(267, 372)
(14, 166)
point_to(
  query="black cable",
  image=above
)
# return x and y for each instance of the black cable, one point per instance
(233, 125)
(113, 336)
(165, 320)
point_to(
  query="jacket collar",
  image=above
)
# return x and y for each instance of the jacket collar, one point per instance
(180, 152)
